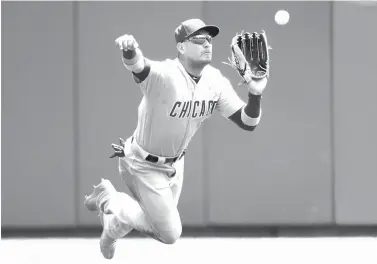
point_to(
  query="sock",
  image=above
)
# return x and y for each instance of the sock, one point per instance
(117, 229)
(128, 215)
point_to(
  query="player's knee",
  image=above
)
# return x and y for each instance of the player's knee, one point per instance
(171, 236)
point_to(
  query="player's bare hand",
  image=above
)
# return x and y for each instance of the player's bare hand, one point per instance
(118, 149)
(257, 86)
(126, 42)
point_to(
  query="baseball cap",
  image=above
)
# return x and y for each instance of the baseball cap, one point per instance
(191, 26)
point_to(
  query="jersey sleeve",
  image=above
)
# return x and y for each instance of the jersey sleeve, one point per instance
(153, 79)
(229, 101)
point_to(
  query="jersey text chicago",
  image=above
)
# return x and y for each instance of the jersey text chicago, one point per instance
(193, 109)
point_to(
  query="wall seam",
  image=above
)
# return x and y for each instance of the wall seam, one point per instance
(205, 169)
(332, 115)
(75, 85)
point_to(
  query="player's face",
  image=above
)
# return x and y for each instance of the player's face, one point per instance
(199, 48)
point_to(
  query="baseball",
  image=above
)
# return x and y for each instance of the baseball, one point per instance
(282, 17)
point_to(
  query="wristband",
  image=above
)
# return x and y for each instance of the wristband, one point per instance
(250, 121)
(137, 67)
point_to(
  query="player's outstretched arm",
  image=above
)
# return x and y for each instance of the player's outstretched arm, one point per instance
(250, 58)
(248, 116)
(132, 57)
(245, 114)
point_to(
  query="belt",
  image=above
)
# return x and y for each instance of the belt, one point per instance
(153, 158)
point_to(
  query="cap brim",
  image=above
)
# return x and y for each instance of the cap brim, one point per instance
(212, 30)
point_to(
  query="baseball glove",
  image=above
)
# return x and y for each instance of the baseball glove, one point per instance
(249, 55)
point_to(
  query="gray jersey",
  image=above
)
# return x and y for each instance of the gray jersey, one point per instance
(174, 105)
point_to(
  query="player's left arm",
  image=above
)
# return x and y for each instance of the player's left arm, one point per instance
(245, 115)
(249, 115)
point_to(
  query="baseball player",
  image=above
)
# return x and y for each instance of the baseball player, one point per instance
(178, 95)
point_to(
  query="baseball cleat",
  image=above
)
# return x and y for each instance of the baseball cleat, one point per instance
(107, 243)
(101, 190)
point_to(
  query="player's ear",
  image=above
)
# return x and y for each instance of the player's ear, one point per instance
(180, 48)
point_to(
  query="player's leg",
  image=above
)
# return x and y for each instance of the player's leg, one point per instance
(177, 180)
(153, 210)
(135, 212)
(156, 214)
(120, 210)
(112, 227)
(128, 210)
(153, 213)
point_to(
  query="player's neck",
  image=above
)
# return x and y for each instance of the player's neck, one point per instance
(195, 70)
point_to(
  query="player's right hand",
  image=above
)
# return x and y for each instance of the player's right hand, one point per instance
(126, 42)
(119, 149)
